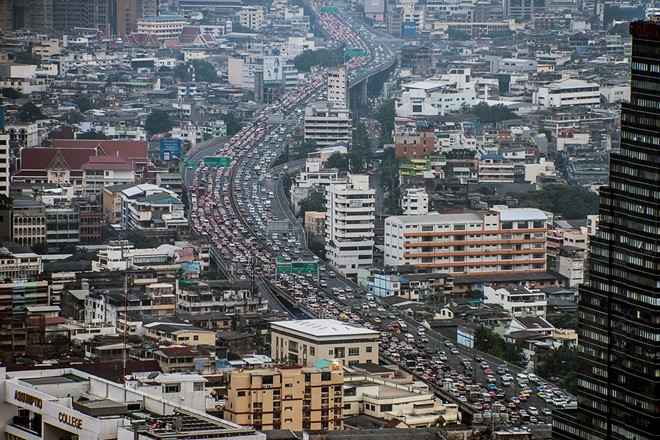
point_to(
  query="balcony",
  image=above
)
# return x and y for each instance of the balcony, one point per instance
(326, 394)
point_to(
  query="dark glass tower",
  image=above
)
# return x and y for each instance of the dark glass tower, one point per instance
(619, 319)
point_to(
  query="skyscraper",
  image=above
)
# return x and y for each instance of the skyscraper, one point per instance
(338, 86)
(619, 307)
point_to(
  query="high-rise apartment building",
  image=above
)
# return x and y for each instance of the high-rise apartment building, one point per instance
(618, 383)
(4, 163)
(295, 398)
(327, 123)
(338, 86)
(349, 224)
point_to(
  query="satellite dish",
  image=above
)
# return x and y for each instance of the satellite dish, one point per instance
(152, 375)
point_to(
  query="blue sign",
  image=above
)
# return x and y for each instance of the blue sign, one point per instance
(170, 149)
(409, 29)
(191, 267)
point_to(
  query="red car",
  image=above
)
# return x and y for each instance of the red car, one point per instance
(488, 371)
(522, 398)
(390, 327)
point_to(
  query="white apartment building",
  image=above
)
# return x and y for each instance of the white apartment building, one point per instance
(251, 17)
(519, 301)
(338, 86)
(312, 176)
(121, 255)
(309, 341)
(567, 92)
(494, 168)
(415, 201)
(349, 224)
(326, 123)
(450, 93)
(162, 26)
(4, 164)
(490, 242)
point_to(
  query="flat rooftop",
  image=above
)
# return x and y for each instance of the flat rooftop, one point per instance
(325, 327)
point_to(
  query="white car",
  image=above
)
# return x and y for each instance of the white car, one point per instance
(533, 411)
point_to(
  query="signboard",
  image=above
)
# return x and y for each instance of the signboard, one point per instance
(272, 70)
(465, 336)
(191, 267)
(409, 29)
(278, 226)
(354, 52)
(356, 204)
(191, 164)
(170, 149)
(217, 161)
(298, 267)
(328, 9)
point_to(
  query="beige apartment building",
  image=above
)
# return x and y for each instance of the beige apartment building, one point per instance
(309, 341)
(295, 398)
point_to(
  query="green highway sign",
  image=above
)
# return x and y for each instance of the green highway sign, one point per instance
(329, 9)
(304, 267)
(283, 268)
(191, 164)
(298, 267)
(217, 161)
(354, 52)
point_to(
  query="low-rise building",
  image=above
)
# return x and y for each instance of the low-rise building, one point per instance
(415, 201)
(310, 341)
(566, 93)
(161, 26)
(327, 123)
(519, 301)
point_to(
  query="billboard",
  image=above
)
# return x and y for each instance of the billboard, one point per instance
(191, 267)
(465, 336)
(170, 149)
(374, 6)
(272, 69)
(409, 29)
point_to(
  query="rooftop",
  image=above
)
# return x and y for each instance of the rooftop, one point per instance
(325, 327)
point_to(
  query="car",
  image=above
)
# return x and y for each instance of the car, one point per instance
(547, 411)
(533, 411)
(522, 398)
(390, 328)
(377, 320)
(488, 371)
(332, 274)
(454, 350)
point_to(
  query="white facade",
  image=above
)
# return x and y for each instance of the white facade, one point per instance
(327, 124)
(415, 201)
(162, 26)
(489, 242)
(349, 224)
(251, 17)
(568, 92)
(58, 403)
(338, 86)
(518, 300)
(313, 340)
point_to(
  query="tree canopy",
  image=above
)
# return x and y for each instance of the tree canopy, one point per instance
(385, 115)
(490, 342)
(490, 114)
(141, 241)
(310, 204)
(8, 92)
(360, 152)
(571, 201)
(204, 71)
(305, 148)
(27, 58)
(322, 57)
(83, 103)
(72, 117)
(158, 122)
(233, 123)
(29, 112)
(337, 160)
(93, 134)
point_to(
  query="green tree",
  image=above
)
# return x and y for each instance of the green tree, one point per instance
(234, 124)
(72, 117)
(557, 363)
(158, 122)
(571, 201)
(337, 160)
(29, 112)
(490, 342)
(27, 58)
(83, 103)
(305, 148)
(9, 93)
(141, 241)
(287, 182)
(40, 248)
(565, 320)
(385, 115)
(454, 34)
(203, 71)
(322, 57)
(310, 204)
(490, 114)
(92, 134)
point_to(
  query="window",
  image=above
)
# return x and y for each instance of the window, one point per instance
(385, 408)
(172, 388)
(369, 349)
(312, 351)
(198, 386)
(354, 351)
